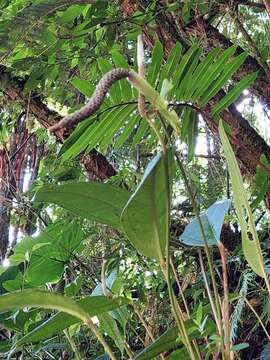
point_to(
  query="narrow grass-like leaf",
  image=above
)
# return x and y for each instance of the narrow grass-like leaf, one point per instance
(119, 61)
(182, 87)
(171, 64)
(72, 139)
(5, 346)
(250, 240)
(184, 64)
(128, 130)
(77, 144)
(232, 95)
(185, 116)
(213, 71)
(115, 90)
(223, 78)
(141, 133)
(155, 66)
(192, 134)
(108, 133)
(93, 133)
(194, 82)
(189, 130)
(103, 131)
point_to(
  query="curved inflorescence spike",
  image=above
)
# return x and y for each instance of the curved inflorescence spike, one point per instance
(95, 101)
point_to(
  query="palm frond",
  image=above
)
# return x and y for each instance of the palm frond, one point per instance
(183, 72)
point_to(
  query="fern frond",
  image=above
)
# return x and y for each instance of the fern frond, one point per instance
(237, 313)
(265, 355)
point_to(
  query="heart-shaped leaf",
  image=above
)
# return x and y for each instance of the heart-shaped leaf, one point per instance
(145, 218)
(212, 220)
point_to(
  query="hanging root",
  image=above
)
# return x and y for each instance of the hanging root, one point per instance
(95, 101)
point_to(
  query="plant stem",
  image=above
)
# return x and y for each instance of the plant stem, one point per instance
(225, 307)
(146, 90)
(155, 99)
(138, 313)
(103, 278)
(178, 314)
(100, 338)
(206, 247)
(257, 316)
(72, 345)
(165, 266)
(185, 304)
(128, 350)
(180, 288)
(171, 117)
(208, 289)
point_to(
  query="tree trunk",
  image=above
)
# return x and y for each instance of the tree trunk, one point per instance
(96, 165)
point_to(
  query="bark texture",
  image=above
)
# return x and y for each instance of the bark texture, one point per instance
(96, 165)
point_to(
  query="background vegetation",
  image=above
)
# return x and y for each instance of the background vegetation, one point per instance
(142, 232)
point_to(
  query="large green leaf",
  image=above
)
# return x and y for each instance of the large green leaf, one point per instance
(165, 342)
(35, 274)
(10, 273)
(110, 327)
(92, 305)
(42, 299)
(58, 241)
(84, 86)
(145, 217)
(178, 354)
(90, 200)
(250, 240)
(50, 249)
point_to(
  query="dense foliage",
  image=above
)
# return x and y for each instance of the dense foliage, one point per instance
(142, 231)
